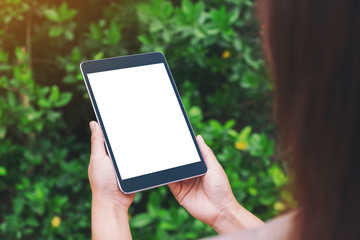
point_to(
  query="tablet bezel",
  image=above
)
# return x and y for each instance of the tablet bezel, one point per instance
(155, 179)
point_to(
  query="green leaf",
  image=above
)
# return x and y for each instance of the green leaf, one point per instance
(233, 133)
(112, 34)
(252, 191)
(3, 171)
(153, 204)
(250, 81)
(238, 45)
(198, 33)
(138, 197)
(56, 31)
(244, 134)
(260, 145)
(144, 39)
(95, 32)
(61, 200)
(4, 67)
(64, 99)
(69, 35)
(32, 222)
(141, 220)
(99, 55)
(167, 225)
(155, 26)
(20, 54)
(234, 16)
(230, 123)
(11, 99)
(187, 7)
(154, 199)
(7, 19)
(190, 235)
(215, 124)
(195, 114)
(2, 132)
(211, 31)
(52, 15)
(144, 13)
(167, 9)
(18, 205)
(247, 54)
(65, 12)
(219, 16)
(44, 103)
(44, 90)
(3, 56)
(277, 175)
(55, 93)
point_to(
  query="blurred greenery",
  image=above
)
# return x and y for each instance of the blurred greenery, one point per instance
(214, 52)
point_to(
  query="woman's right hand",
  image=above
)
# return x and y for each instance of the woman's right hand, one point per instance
(209, 198)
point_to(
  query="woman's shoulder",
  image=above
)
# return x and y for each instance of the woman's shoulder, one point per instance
(278, 228)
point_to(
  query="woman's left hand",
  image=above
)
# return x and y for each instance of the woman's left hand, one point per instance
(109, 205)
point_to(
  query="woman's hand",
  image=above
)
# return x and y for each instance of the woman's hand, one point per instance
(209, 198)
(109, 205)
(102, 173)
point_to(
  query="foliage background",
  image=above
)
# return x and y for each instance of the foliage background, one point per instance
(214, 52)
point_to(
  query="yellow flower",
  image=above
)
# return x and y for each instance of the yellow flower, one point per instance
(279, 206)
(56, 221)
(226, 54)
(241, 145)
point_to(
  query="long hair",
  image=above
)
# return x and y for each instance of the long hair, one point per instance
(313, 50)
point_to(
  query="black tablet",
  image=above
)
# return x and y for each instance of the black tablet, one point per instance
(147, 132)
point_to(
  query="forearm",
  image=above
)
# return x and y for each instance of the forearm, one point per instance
(109, 220)
(235, 218)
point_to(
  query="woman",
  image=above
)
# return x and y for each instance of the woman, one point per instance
(313, 52)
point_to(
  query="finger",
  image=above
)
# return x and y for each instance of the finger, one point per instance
(208, 155)
(175, 188)
(97, 141)
(181, 189)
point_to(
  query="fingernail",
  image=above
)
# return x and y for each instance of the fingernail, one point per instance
(92, 126)
(201, 139)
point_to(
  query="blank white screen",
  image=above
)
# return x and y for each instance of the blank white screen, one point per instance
(143, 120)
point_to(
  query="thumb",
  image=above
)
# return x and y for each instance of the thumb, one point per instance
(97, 141)
(208, 155)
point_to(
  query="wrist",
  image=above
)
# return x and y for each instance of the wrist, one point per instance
(109, 219)
(234, 217)
(110, 208)
(111, 202)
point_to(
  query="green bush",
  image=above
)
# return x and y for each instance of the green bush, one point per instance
(215, 56)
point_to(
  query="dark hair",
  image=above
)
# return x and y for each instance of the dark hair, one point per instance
(313, 50)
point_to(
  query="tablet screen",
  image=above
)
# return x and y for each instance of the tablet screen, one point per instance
(143, 119)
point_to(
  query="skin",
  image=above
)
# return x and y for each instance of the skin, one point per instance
(208, 198)
(109, 211)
